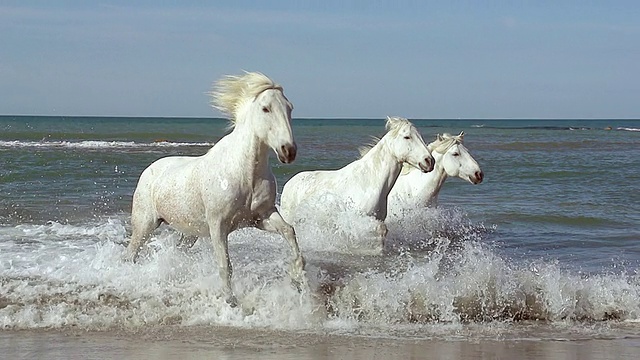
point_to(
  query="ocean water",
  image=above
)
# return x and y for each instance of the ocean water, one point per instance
(547, 247)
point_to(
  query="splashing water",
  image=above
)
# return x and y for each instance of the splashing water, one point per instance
(437, 270)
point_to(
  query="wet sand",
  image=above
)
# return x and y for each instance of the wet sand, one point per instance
(232, 343)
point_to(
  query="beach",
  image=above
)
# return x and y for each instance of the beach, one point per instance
(230, 343)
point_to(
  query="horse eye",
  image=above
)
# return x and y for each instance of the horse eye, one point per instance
(265, 109)
(456, 154)
(407, 137)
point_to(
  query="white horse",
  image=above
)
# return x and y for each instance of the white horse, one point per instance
(229, 187)
(414, 190)
(364, 184)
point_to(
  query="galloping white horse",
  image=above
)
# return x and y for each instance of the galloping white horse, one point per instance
(229, 187)
(365, 183)
(414, 189)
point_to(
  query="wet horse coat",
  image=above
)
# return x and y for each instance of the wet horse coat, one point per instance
(229, 187)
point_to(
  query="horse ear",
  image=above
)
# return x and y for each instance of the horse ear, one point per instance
(388, 123)
(461, 136)
(439, 137)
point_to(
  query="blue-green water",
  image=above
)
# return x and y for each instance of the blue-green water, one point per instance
(551, 235)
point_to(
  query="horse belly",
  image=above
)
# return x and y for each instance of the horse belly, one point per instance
(185, 218)
(195, 228)
(179, 204)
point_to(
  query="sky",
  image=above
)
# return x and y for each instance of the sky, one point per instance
(335, 59)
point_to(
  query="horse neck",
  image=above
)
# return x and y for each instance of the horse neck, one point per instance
(381, 166)
(427, 186)
(249, 148)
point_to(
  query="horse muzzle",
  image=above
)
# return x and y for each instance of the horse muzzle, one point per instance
(287, 153)
(477, 177)
(426, 165)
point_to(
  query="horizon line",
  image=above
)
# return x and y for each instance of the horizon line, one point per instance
(318, 118)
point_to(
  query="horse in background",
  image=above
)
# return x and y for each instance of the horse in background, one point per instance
(413, 189)
(364, 184)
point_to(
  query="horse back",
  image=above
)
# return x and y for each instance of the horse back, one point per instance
(166, 168)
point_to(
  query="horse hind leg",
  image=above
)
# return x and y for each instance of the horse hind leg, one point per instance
(141, 233)
(276, 224)
(187, 241)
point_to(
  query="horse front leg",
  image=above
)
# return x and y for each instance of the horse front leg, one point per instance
(381, 232)
(274, 222)
(219, 239)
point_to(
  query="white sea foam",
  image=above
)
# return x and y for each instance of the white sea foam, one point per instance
(627, 129)
(94, 144)
(327, 224)
(436, 269)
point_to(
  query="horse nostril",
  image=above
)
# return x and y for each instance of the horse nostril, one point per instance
(292, 152)
(430, 161)
(479, 175)
(288, 152)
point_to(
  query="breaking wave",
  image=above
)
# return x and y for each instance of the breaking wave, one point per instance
(96, 144)
(437, 268)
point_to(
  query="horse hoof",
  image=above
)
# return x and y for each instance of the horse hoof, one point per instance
(129, 257)
(300, 284)
(296, 284)
(232, 301)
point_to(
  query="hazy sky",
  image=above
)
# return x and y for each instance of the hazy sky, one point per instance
(418, 59)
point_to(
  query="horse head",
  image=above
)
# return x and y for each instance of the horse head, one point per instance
(407, 144)
(272, 111)
(255, 99)
(455, 159)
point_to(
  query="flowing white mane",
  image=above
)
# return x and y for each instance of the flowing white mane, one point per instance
(393, 125)
(364, 149)
(441, 145)
(232, 91)
(445, 141)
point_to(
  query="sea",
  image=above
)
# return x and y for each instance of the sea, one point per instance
(547, 247)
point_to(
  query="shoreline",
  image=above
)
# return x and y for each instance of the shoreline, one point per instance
(240, 343)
